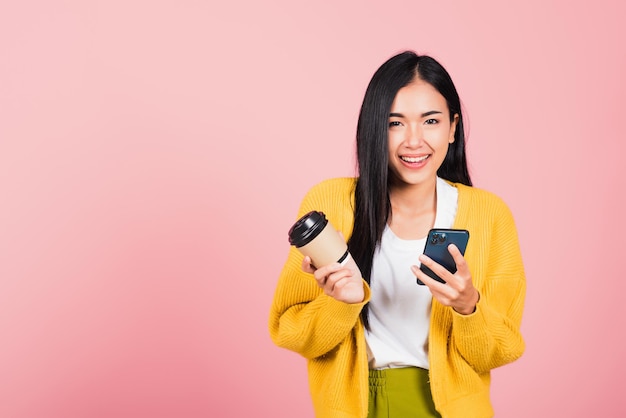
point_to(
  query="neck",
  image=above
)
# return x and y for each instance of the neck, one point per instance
(413, 209)
(414, 198)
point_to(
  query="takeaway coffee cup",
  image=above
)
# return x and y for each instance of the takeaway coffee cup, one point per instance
(314, 236)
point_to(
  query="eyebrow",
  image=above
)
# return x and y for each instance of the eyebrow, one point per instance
(425, 114)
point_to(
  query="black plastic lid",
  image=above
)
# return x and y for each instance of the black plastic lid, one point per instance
(307, 228)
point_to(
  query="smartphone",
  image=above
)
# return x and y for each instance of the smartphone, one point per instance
(436, 248)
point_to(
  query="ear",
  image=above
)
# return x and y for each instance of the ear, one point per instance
(453, 126)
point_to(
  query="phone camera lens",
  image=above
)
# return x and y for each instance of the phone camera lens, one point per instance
(438, 238)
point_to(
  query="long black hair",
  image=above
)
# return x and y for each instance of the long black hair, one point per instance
(372, 204)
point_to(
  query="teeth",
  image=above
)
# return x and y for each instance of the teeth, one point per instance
(414, 159)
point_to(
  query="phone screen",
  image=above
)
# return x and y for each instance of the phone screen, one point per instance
(436, 248)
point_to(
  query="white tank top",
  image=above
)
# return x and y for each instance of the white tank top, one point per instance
(399, 308)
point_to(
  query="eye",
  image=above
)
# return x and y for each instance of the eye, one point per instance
(431, 122)
(394, 123)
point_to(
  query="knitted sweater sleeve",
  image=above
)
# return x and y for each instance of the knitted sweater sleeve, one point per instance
(491, 337)
(302, 318)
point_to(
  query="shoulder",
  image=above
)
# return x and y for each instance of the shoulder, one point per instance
(479, 205)
(335, 188)
(334, 197)
(479, 197)
(337, 184)
(330, 194)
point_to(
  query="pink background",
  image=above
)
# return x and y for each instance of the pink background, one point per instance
(153, 155)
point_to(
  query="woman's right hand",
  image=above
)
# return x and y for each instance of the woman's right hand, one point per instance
(344, 283)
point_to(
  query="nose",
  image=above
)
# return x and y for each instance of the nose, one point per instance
(414, 136)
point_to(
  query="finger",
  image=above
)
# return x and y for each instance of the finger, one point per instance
(440, 291)
(437, 268)
(431, 283)
(459, 260)
(323, 273)
(337, 276)
(307, 267)
(336, 282)
(328, 270)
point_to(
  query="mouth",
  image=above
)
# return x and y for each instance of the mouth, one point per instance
(414, 160)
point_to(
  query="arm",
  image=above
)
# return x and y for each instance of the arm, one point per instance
(303, 318)
(490, 337)
(486, 304)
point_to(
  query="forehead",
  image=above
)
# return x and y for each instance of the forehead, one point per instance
(419, 96)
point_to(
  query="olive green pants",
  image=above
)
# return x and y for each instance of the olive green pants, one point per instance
(400, 393)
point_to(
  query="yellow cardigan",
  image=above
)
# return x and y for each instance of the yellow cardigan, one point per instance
(462, 349)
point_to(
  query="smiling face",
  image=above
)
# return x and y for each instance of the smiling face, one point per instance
(419, 134)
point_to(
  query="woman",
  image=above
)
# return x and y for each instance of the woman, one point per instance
(377, 343)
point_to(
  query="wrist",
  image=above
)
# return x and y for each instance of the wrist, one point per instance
(469, 309)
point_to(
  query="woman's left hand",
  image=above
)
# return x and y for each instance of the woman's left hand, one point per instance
(458, 292)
